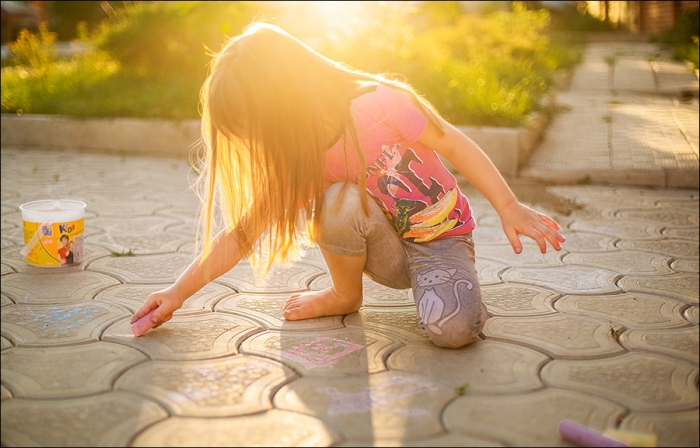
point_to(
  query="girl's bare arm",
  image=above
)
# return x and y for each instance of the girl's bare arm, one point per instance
(224, 255)
(472, 163)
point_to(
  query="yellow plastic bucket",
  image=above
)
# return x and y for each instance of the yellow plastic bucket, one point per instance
(53, 232)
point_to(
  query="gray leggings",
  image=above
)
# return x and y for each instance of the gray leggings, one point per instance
(440, 272)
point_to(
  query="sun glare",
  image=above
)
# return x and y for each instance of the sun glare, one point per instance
(330, 19)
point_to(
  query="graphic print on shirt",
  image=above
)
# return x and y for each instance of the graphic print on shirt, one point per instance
(431, 305)
(421, 219)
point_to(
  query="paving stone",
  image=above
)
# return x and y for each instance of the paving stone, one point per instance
(314, 256)
(187, 337)
(691, 234)
(623, 262)
(6, 242)
(292, 279)
(58, 324)
(163, 268)
(54, 286)
(133, 224)
(489, 219)
(587, 242)
(692, 315)
(115, 207)
(322, 282)
(65, 372)
(529, 257)
(677, 342)
(399, 323)
(347, 351)
(110, 419)
(5, 343)
(373, 293)
(188, 223)
(557, 335)
(233, 385)
(689, 203)
(489, 271)
(633, 134)
(484, 236)
(5, 269)
(690, 266)
(620, 229)
(566, 279)
(133, 297)
(447, 439)
(673, 247)
(633, 74)
(4, 395)
(271, 428)
(96, 190)
(517, 300)
(267, 309)
(680, 286)
(633, 310)
(671, 428)
(142, 243)
(5, 301)
(487, 367)
(672, 217)
(16, 261)
(639, 381)
(387, 405)
(530, 419)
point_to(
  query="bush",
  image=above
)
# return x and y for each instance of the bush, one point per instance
(35, 82)
(161, 38)
(683, 37)
(66, 15)
(150, 59)
(477, 70)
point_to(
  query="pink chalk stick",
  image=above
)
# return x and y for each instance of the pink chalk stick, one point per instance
(143, 325)
(584, 436)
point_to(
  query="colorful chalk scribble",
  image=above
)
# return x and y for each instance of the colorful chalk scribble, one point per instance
(321, 352)
(382, 396)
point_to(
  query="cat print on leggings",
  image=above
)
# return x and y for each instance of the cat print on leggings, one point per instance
(431, 305)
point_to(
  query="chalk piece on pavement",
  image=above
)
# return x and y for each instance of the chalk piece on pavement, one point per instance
(632, 438)
(583, 436)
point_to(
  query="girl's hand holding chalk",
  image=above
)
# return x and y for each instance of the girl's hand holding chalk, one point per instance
(144, 324)
(166, 301)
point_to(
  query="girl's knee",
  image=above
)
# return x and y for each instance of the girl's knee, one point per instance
(458, 332)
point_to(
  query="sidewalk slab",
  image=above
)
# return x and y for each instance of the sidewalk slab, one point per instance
(630, 117)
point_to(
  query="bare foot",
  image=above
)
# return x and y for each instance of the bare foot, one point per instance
(318, 304)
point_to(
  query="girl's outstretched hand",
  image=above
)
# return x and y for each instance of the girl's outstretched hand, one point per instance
(518, 219)
(165, 302)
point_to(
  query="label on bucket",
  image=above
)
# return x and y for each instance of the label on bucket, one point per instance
(59, 243)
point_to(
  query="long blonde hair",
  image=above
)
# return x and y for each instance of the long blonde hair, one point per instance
(266, 105)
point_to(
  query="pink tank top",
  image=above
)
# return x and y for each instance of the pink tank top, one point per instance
(407, 179)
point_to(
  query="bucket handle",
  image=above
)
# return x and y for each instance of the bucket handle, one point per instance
(33, 240)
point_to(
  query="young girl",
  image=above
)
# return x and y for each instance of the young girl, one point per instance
(303, 148)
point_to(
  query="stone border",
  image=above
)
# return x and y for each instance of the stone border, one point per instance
(658, 178)
(152, 137)
(508, 148)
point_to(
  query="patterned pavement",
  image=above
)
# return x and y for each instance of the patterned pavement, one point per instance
(604, 333)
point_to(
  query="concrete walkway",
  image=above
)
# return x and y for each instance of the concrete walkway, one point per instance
(629, 117)
(603, 333)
